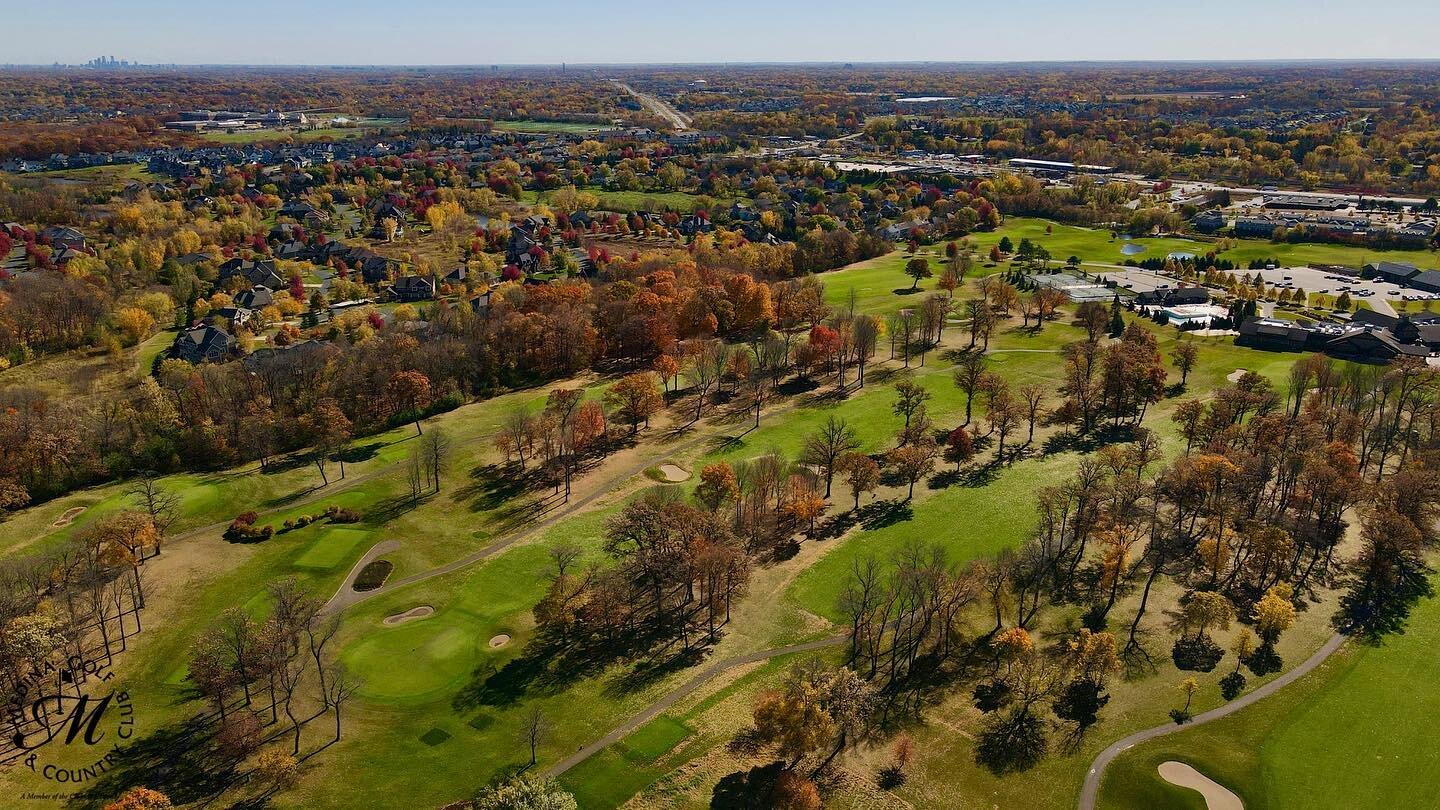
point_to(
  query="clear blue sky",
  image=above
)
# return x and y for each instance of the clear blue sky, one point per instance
(449, 32)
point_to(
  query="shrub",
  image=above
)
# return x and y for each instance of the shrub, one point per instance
(243, 530)
(342, 515)
(1180, 716)
(373, 575)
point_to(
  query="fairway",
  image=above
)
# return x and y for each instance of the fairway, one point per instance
(1350, 735)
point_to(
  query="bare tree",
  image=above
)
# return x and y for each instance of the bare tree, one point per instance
(159, 503)
(536, 730)
(340, 687)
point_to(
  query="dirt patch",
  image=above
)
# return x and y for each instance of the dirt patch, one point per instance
(499, 641)
(421, 612)
(1217, 796)
(673, 473)
(69, 516)
(1235, 375)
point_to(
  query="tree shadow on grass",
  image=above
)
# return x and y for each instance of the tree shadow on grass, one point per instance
(880, 514)
(180, 761)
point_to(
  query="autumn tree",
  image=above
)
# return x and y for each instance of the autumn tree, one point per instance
(635, 399)
(409, 393)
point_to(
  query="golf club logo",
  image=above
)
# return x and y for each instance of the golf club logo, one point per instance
(96, 719)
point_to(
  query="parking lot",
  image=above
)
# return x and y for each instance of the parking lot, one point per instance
(1378, 294)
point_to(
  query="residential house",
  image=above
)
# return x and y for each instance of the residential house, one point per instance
(412, 288)
(203, 344)
(253, 271)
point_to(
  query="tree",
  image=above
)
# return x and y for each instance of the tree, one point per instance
(338, 687)
(434, 448)
(861, 473)
(918, 268)
(1274, 613)
(409, 393)
(969, 376)
(910, 400)
(329, 431)
(157, 502)
(912, 462)
(959, 446)
(534, 731)
(1184, 357)
(793, 721)
(141, 798)
(824, 449)
(667, 367)
(717, 486)
(276, 769)
(635, 399)
(520, 793)
(792, 791)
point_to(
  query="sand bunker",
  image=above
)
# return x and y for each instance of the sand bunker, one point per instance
(1217, 796)
(1235, 375)
(69, 516)
(674, 474)
(410, 615)
(499, 641)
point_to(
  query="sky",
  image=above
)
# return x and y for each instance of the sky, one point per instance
(484, 32)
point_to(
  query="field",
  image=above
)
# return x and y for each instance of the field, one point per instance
(447, 694)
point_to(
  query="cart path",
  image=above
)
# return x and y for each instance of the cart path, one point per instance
(675, 695)
(1093, 777)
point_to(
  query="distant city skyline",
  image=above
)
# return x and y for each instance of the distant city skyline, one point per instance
(447, 32)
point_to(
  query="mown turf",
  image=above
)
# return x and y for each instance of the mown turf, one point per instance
(1353, 734)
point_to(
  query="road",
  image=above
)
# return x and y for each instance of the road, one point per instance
(678, 120)
(1091, 790)
(674, 696)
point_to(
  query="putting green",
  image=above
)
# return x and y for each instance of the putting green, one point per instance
(418, 659)
(332, 547)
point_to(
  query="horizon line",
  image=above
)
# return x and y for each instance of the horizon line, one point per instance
(128, 64)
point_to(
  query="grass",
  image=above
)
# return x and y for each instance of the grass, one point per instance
(333, 547)
(438, 698)
(295, 136)
(570, 127)
(1345, 736)
(637, 200)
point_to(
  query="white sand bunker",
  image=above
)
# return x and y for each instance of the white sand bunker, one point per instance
(1235, 375)
(69, 516)
(499, 641)
(674, 474)
(408, 616)
(1217, 796)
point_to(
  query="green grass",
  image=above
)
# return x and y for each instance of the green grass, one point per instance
(1351, 735)
(333, 547)
(262, 135)
(1097, 246)
(571, 127)
(637, 200)
(652, 740)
